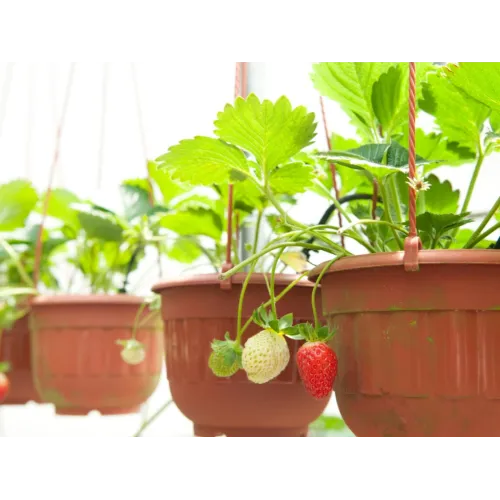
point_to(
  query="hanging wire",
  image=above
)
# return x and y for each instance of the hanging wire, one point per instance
(333, 168)
(142, 132)
(29, 118)
(5, 94)
(104, 108)
(55, 160)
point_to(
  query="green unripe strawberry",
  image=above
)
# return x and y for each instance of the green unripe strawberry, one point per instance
(133, 352)
(225, 358)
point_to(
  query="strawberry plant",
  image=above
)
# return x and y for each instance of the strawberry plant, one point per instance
(264, 148)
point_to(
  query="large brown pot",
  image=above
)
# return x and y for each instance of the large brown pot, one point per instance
(419, 352)
(197, 310)
(15, 348)
(76, 362)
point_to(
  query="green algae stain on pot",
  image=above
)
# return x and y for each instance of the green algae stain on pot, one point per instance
(55, 397)
(430, 340)
(413, 323)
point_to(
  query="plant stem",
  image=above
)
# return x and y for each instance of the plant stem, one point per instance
(313, 295)
(257, 229)
(239, 333)
(375, 221)
(265, 251)
(485, 221)
(473, 180)
(130, 265)
(277, 298)
(13, 255)
(481, 237)
(151, 419)
(387, 213)
(395, 198)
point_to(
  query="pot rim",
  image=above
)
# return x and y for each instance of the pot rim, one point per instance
(213, 279)
(390, 259)
(91, 299)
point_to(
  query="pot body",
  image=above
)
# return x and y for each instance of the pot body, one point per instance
(196, 310)
(76, 362)
(419, 352)
(16, 349)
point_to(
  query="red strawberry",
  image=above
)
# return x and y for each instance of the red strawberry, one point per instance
(4, 386)
(317, 365)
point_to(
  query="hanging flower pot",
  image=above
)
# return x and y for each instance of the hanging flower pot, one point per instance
(77, 363)
(196, 310)
(418, 351)
(15, 348)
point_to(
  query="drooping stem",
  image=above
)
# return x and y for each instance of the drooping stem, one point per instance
(244, 286)
(485, 221)
(277, 298)
(315, 288)
(151, 419)
(130, 266)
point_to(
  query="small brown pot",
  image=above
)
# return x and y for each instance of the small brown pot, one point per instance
(76, 362)
(15, 348)
(196, 310)
(419, 352)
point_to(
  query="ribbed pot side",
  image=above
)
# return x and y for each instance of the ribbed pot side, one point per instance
(15, 348)
(419, 352)
(196, 310)
(76, 361)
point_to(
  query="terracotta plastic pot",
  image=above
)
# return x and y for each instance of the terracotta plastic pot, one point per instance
(419, 352)
(197, 310)
(76, 363)
(15, 348)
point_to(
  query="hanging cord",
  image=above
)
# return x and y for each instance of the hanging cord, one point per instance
(104, 108)
(412, 242)
(29, 120)
(240, 90)
(5, 94)
(140, 121)
(333, 168)
(55, 160)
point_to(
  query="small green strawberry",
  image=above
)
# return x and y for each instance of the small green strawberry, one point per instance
(225, 358)
(133, 352)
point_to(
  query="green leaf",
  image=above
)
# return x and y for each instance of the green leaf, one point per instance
(277, 224)
(194, 222)
(434, 146)
(17, 200)
(350, 84)
(440, 198)
(271, 132)
(169, 189)
(329, 422)
(386, 99)
(480, 80)
(203, 161)
(432, 227)
(194, 201)
(135, 198)
(286, 321)
(184, 250)
(459, 117)
(495, 121)
(291, 178)
(10, 291)
(463, 236)
(60, 207)
(99, 224)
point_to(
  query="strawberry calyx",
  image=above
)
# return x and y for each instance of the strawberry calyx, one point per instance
(268, 321)
(307, 332)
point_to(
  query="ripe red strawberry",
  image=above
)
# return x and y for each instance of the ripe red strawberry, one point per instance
(317, 365)
(4, 386)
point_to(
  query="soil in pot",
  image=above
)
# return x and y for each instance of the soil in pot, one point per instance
(15, 348)
(196, 310)
(76, 362)
(419, 352)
